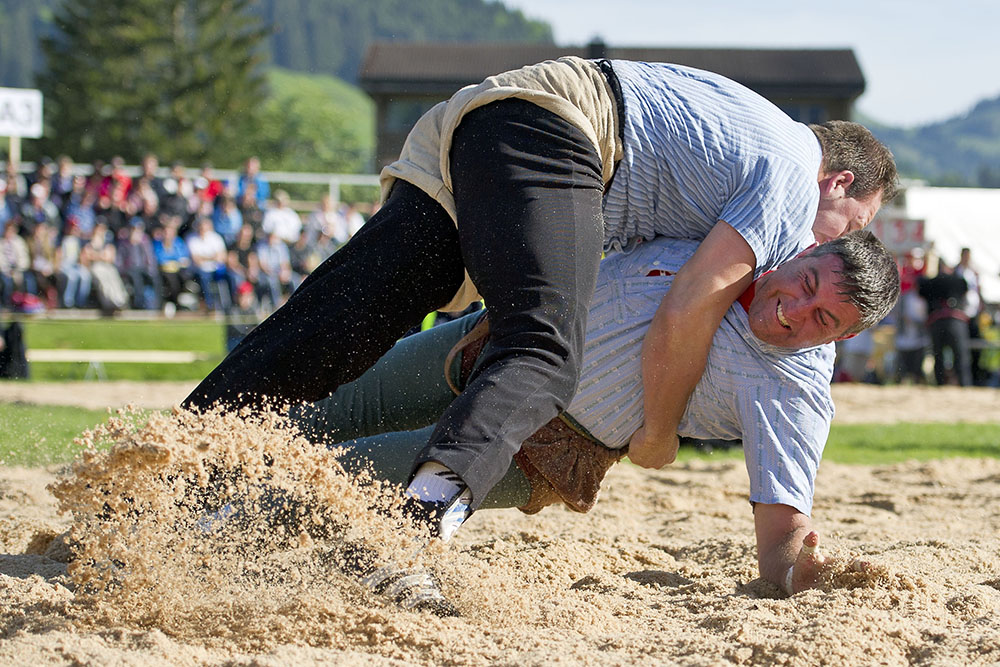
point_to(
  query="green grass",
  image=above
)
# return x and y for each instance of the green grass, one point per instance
(36, 435)
(201, 336)
(32, 435)
(877, 444)
(884, 443)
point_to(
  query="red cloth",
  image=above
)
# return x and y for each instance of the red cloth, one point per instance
(744, 299)
(116, 186)
(213, 190)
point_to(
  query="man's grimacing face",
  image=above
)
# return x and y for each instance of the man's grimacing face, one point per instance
(839, 214)
(798, 304)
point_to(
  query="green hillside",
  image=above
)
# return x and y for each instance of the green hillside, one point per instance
(317, 36)
(308, 38)
(962, 151)
(314, 122)
(331, 36)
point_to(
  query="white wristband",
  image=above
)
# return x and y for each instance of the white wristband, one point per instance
(788, 580)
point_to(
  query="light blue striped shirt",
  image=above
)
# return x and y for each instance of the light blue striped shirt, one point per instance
(776, 400)
(699, 148)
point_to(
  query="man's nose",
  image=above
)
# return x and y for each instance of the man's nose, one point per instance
(797, 311)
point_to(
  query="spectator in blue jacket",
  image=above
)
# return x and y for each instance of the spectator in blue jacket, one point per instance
(174, 262)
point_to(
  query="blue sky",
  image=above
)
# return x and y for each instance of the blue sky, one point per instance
(923, 61)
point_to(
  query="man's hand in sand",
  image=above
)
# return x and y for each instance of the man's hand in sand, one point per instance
(812, 568)
(809, 567)
(649, 453)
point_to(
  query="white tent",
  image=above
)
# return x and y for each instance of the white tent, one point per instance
(956, 218)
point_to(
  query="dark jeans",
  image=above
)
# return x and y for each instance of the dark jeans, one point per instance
(173, 285)
(145, 287)
(382, 420)
(216, 288)
(910, 365)
(979, 374)
(13, 356)
(7, 290)
(953, 333)
(528, 189)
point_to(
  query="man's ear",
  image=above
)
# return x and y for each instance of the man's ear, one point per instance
(838, 179)
(845, 337)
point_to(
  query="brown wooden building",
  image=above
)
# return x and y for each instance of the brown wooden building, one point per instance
(405, 80)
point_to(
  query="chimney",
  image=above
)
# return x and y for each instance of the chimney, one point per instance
(597, 49)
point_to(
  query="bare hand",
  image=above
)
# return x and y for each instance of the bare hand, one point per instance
(647, 453)
(810, 565)
(812, 568)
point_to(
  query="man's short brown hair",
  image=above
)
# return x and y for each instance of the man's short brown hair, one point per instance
(851, 147)
(868, 276)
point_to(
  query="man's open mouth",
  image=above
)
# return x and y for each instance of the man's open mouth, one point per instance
(781, 317)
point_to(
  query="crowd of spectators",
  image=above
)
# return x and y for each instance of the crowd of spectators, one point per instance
(943, 331)
(102, 238)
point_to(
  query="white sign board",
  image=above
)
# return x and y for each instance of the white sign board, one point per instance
(899, 234)
(20, 112)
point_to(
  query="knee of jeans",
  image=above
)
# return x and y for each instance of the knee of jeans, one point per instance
(552, 346)
(560, 324)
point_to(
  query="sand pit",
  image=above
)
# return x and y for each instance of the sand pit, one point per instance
(663, 571)
(856, 403)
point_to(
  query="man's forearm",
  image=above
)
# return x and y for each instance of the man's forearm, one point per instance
(675, 349)
(674, 353)
(673, 359)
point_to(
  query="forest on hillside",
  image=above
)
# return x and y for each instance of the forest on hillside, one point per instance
(961, 151)
(330, 37)
(315, 36)
(211, 80)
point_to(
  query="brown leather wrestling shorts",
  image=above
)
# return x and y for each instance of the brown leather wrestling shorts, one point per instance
(561, 463)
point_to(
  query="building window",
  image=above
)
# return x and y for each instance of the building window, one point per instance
(806, 113)
(401, 115)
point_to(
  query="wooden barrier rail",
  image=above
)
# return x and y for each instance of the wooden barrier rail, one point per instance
(95, 359)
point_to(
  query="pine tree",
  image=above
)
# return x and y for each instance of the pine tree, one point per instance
(20, 23)
(180, 78)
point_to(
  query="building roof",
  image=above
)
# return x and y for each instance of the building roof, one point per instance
(440, 68)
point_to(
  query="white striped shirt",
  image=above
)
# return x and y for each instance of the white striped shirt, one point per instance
(699, 148)
(776, 400)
